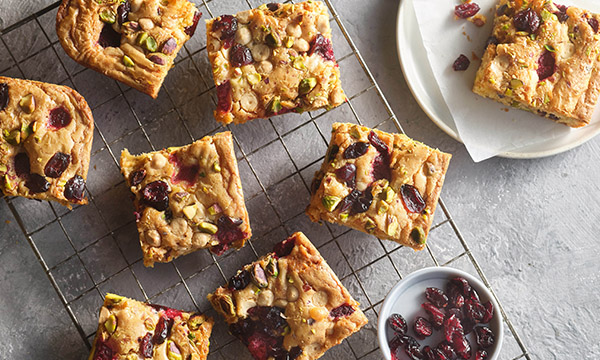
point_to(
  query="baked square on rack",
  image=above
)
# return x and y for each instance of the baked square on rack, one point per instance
(132, 41)
(46, 141)
(288, 304)
(130, 329)
(271, 60)
(544, 58)
(188, 198)
(379, 183)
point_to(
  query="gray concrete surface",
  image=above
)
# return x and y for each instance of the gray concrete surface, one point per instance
(533, 225)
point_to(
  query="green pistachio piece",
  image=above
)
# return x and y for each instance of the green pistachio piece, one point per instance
(370, 226)
(34, 127)
(288, 42)
(227, 306)
(214, 209)
(546, 99)
(551, 48)
(383, 207)
(108, 16)
(111, 324)
(141, 38)
(253, 79)
(418, 235)
(508, 92)
(190, 211)
(306, 85)
(127, 61)
(150, 44)
(272, 268)
(344, 216)
(115, 299)
(173, 352)
(208, 228)
(192, 337)
(545, 14)
(26, 130)
(516, 83)
(216, 166)
(330, 202)
(259, 277)
(392, 228)
(195, 321)
(354, 132)
(298, 63)
(13, 137)
(275, 105)
(7, 183)
(388, 195)
(3, 169)
(27, 103)
(272, 40)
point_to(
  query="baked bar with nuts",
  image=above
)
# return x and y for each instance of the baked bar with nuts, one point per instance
(130, 329)
(544, 58)
(379, 183)
(188, 198)
(272, 60)
(132, 41)
(288, 304)
(46, 141)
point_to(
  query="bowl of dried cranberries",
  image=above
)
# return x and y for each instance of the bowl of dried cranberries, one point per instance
(440, 313)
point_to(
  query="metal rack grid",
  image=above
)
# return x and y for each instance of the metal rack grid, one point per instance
(110, 260)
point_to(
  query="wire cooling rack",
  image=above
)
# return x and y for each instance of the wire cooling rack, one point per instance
(94, 249)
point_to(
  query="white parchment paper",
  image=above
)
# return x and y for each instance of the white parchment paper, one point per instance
(487, 128)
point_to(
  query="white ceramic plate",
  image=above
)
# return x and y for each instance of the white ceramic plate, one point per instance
(406, 297)
(420, 79)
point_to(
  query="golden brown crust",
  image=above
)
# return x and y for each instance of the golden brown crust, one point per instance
(125, 324)
(25, 129)
(509, 69)
(78, 25)
(284, 74)
(387, 216)
(305, 290)
(211, 190)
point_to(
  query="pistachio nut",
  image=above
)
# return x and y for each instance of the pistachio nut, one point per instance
(108, 16)
(195, 321)
(275, 105)
(344, 216)
(7, 183)
(272, 268)
(169, 46)
(383, 207)
(131, 26)
(158, 58)
(288, 42)
(330, 202)
(216, 166)
(253, 79)
(3, 169)
(418, 235)
(111, 324)
(208, 228)
(306, 85)
(127, 61)
(113, 298)
(190, 211)
(388, 194)
(13, 137)
(258, 276)
(299, 63)
(150, 44)
(141, 38)
(392, 227)
(26, 130)
(516, 83)
(173, 352)
(27, 103)
(272, 40)
(354, 132)
(226, 303)
(214, 209)
(370, 226)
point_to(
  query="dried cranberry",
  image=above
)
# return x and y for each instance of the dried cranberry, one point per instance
(484, 336)
(347, 173)
(322, 46)
(428, 353)
(461, 346)
(461, 63)
(167, 312)
(109, 37)
(454, 311)
(491, 40)
(527, 20)
(137, 177)
(396, 345)
(190, 30)
(74, 188)
(561, 14)
(229, 230)
(462, 284)
(240, 280)
(3, 96)
(57, 165)
(363, 202)
(481, 355)
(474, 311)
(594, 24)
(489, 312)
(349, 200)
(163, 329)
(146, 346)
(294, 353)
(341, 311)
(381, 167)
(437, 297)
(271, 318)
(501, 10)
(285, 247)
(316, 183)
(378, 143)
(260, 345)
(437, 316)
(452, 326)
(156, 195)
(273, 6)
(546, 65)
(37, 183)
(123, 12)
(414, 353)
(413, 202)
(422, 328)
(240, 55)
(59, 118)
(466, 10)
(224, 96)
(227, 25)
(355, 150)
(445, 348)
(397, 323)
(103, 351)
(185, 173)
(332, 153)
(22, 167)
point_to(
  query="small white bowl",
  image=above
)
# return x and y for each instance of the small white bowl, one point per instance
(407, 296)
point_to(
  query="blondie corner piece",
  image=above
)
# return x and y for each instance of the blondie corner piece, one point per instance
(188, 198)
(383, 184)
(288, 304)
(272, 60)
(544, 58)
(132, 41)
(45, 142)
(130, 330)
